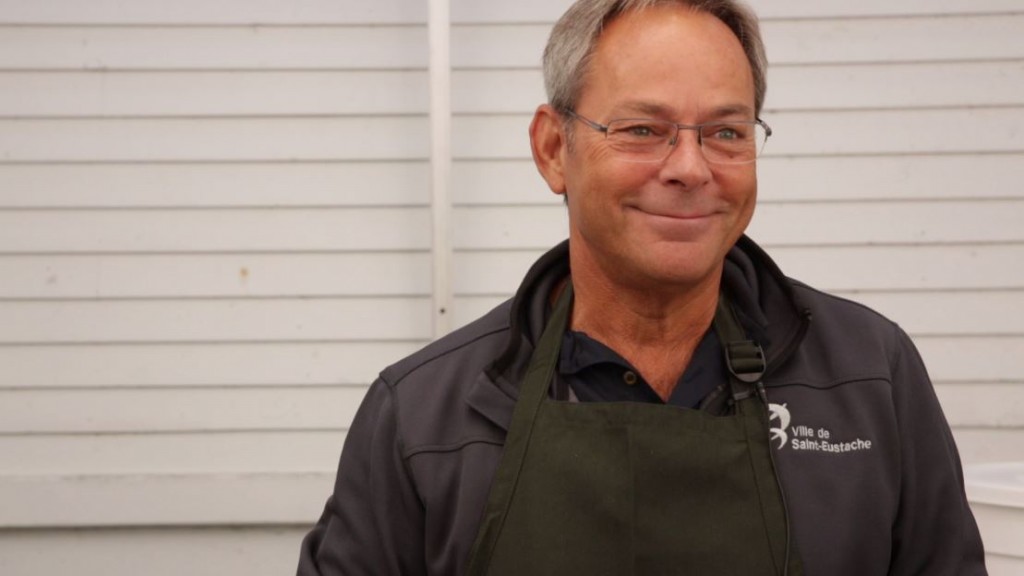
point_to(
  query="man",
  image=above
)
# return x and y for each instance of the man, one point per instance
(658, 398)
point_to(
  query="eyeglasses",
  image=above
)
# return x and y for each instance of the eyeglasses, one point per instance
(650, 140)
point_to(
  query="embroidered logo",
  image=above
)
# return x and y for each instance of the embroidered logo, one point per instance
(806, 438)
(781, 413)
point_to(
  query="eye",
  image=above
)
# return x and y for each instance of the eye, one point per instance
(638, 130)
(727, 132)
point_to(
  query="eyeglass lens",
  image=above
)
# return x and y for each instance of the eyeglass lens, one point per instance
(653, 140)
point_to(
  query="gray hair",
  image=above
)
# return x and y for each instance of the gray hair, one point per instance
(573, 40)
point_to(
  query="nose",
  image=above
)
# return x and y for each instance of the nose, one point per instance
(685, 165)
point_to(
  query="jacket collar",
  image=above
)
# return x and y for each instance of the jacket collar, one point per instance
(766, 305)
(765, 301)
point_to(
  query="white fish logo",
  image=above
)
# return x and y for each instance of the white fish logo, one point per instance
(781, 413)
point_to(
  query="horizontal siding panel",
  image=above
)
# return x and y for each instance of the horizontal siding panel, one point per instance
(476, 183)
(881, 268)
(972, 358)
(489, 182)
(404, 182)
(206, 275)
(469, 308)
(524, 228)
(998, 564)
(498, 46)
(831, 87)
(905, 132)
(981, 445)
(213, 48)
(266, 551)
(883, 223)
(474, 11)
(304, 320)
(163, 94)
(989, 360)
(993, 36)
(497, 91)
(220, 139)
(949, 359)
(214, 185)
(95, 411)
(170, 453)
(962, 313)
(90, 94)
(805, 133)
(198, 365)
(201, 12)
(232, 452)
(214, 230)
(411, 11)
(964, 177)
(956, 358)
(155, 500)
(236, 499)
(817, 9)
(801, 41)
(874, 268)
(510, 227)
(834, 87)
(486, 273)
(983, 405)
(965, 404)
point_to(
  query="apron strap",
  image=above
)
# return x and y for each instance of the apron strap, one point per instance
(743, 357)
(747, 365)
(532, 391)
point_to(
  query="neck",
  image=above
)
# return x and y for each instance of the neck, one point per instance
(656, 328)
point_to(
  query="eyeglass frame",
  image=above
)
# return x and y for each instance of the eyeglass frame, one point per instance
(603, 128)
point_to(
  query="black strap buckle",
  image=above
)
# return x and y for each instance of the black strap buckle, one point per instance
(745, 360)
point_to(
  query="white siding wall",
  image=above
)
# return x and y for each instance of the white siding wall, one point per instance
(215, 229)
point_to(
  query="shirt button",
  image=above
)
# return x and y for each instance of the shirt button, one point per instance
(630, 378)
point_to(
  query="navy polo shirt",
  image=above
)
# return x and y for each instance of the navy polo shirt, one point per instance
(596, 373)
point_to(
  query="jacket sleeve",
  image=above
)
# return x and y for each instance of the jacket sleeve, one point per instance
(372, 524)
(935, 533)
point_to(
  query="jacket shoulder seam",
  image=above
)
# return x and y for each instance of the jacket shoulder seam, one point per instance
(452, 447)
(837, 382)
(800, 285)
(438, 355)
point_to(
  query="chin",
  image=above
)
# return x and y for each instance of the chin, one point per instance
(682, 268)
(680, 272)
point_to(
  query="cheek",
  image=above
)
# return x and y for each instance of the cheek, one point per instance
(738, 186)
(596, 176)
(621, 180)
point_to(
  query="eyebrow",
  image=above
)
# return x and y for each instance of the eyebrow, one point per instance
(732, 110)
(659, 110)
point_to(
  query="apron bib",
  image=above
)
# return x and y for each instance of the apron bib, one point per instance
(633, 489)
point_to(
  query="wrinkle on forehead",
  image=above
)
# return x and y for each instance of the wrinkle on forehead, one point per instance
(670, 61)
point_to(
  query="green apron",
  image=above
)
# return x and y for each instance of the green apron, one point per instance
(634, 489)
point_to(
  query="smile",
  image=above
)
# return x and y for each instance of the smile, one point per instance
(677, 226)
(680, 216)
(668, 215)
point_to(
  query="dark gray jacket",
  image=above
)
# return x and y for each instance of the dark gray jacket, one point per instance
(865, 456)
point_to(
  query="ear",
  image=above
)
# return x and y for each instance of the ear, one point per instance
(549, 145)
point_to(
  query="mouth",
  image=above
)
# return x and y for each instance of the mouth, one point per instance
(682, 225)
(691, 216)
(676, 215)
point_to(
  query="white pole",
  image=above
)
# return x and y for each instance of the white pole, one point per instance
(439, 25)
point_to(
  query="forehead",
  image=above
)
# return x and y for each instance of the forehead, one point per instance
(671, 57)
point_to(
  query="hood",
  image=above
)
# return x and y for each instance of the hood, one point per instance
(764, 298)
